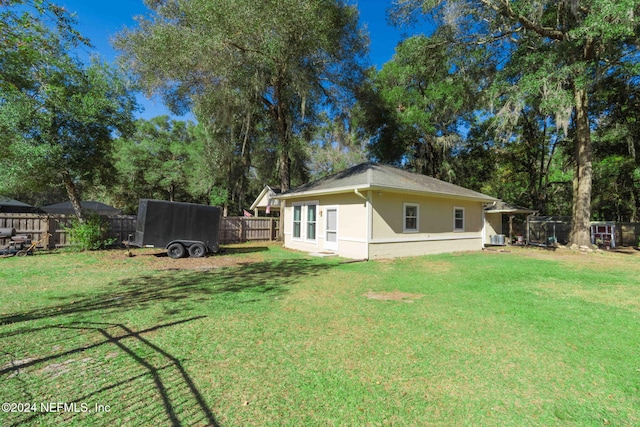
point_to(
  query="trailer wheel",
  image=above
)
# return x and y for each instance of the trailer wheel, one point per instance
(176, 250)
(197, 250)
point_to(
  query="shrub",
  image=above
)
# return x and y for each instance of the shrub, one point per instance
(92, 234)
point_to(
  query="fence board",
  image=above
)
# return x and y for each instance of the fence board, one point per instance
(244, 229)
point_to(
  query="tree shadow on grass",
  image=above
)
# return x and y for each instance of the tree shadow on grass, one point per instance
(258, 280)
(102, 373)
(65, 353)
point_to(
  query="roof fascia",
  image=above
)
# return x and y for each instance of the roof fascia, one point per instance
(351, 188)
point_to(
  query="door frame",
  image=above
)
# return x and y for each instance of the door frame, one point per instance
(332, 246)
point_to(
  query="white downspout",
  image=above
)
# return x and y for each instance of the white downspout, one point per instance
(359, 194)
(369, 219)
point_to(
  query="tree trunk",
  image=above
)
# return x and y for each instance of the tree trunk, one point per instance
(580, 233)
(285, 170)
(72, 193)
(284, 161)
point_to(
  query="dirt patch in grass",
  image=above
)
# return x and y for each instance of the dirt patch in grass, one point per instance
(393, 296)
(620, 296)
(625, 258)
(157, 259)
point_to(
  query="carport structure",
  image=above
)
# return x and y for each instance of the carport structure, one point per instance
(502, 218)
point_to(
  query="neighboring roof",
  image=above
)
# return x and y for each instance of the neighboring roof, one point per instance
(268, 193)
(504, 207)
(13, 203)
(65, 208)
(373, 176)
(15, 206)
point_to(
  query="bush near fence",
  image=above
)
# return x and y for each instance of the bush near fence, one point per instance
(232, 229)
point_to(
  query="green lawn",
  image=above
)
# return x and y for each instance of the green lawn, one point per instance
(263, 336)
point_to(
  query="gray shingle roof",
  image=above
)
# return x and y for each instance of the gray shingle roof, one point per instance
(13, 203)
(384, 177)
(504, 207)
(65, 208)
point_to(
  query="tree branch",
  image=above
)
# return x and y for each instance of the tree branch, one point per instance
(504, 8)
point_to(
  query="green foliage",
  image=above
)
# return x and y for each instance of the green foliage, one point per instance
(156, 161)
(271, 64)
(548, 68)
(426, 99)
(335, 147)
(218, 197)
(58, 117)
(89, 235)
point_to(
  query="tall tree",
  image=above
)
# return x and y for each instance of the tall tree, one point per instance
(616, 149)
(335, 146)
(156, 161)
(571, 45)
(282, 57)
(57, 117)
(428, 98)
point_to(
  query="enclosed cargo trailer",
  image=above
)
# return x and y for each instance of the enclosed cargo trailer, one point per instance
(181, 228)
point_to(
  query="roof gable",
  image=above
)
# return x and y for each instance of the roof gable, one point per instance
(267, 197)
(384, 177)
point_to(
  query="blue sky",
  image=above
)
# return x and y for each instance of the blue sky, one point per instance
(100, 20)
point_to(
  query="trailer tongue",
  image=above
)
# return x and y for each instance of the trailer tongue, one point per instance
(181, 228)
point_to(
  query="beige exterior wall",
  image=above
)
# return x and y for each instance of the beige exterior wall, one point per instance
(435, 232)
(423, 247)
(493, 226)
(381, 224)
(435, 217)
(352, 225)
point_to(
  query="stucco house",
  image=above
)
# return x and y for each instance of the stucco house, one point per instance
(375, 211)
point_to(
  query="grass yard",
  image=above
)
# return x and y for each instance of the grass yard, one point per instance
(263, 336)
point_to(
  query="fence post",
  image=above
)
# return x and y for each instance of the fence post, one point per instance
(283, 206)
(272, 229)
(50, 231)
(243, 230)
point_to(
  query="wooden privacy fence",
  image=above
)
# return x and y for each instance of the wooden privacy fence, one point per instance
(232, 229)
(39, 225)
(242, 229)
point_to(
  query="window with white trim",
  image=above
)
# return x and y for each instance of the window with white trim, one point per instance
(411, 217)
(458, 219)
(297, 221)
(305, 220)
(311, 222)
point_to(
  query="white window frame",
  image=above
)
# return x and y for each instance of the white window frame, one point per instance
(456, 209)
(315, 222)
(293, 221)
(404, 217)
(304, 220)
